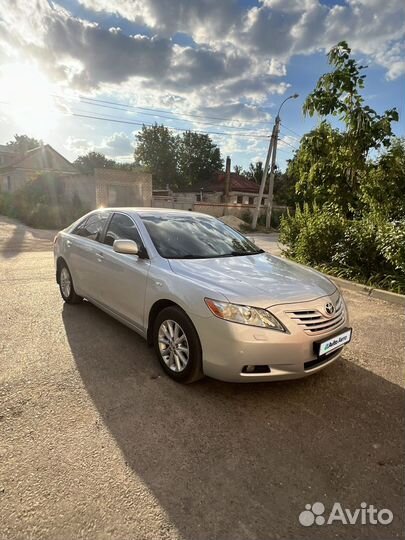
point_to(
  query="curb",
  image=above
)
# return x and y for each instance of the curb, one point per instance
(380, 294)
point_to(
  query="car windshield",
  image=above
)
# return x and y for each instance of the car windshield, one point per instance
(196, 237)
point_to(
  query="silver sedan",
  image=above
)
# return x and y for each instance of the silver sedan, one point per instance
(209, 300)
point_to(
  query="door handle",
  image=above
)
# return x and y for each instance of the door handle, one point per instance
(100, 256)
(68, 243)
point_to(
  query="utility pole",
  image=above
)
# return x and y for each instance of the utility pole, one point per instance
(271, 153)
(263, 182)
(272, 172)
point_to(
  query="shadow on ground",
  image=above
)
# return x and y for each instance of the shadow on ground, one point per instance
(16, 238)
(230, 461)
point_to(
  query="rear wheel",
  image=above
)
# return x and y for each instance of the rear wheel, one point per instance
(66, 287)
(177, 345)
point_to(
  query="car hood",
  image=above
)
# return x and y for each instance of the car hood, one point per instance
(261, 280)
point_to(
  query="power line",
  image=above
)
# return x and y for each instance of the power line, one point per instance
(129, 106)
(132, 122)
(294, 139)
(288, 144)
(242, 128)
(292, 131)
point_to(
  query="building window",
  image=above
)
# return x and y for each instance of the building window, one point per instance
(263, 200)
(251, 200)
(239, 199)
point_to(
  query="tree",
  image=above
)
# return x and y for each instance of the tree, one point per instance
(238, 169)
(284, 189)
(319, 168)
(338, 94)
(23, 143)
(383, 185)
(197, 158)
(156, 151)
(93, 160)
(255, 172)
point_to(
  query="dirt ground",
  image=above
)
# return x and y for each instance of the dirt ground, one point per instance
(95, 442)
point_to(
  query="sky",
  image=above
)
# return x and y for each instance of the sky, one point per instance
(221, 67)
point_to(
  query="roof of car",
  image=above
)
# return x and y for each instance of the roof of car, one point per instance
(142, 210)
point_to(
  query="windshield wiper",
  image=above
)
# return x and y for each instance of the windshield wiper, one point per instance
(242, 253)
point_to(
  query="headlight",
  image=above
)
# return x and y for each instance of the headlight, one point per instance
(244, 314)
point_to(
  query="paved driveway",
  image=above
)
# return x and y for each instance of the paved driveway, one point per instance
(97, 443)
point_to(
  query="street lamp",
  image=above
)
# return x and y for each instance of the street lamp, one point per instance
(272, 152)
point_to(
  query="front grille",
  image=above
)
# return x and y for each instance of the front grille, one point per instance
(314, 322)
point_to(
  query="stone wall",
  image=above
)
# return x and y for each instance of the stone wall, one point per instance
(238, 210)
(115, 187)
(83, 186)
(110, 187)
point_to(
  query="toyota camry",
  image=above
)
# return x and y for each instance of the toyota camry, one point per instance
(205, 296)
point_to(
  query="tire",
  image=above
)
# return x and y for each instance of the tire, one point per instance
(67, 291)
(172, 321)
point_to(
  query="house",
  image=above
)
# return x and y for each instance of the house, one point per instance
(223, 187)
(103, 187)
(16, 168)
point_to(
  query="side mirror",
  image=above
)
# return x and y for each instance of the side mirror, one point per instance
(128, 247)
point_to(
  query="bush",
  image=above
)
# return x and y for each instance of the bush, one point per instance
(370, 249)
(6, 205)
(40, 203)
(247, 217)
(311, 235)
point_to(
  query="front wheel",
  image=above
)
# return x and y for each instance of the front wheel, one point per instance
(66, 287)
(177, 345)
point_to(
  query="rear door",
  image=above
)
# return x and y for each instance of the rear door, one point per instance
(123, 277)
(83, 247)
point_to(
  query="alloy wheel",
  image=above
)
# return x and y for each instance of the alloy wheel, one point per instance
(173, 345)
(65, 282)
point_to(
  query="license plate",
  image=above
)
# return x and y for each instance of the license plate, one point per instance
(325, 347)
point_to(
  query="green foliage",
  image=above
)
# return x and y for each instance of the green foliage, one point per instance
(343, 155)
(180, 160)
(197, 158)
(338, 93)
(93, 160)
(285, 189)
(6, 205)
(312, 233)
(382, 189)
(354, 226)
(320, 168)
(370, 250)
(255, 172)
(23, 143)
(41, 203)
(247, 217)
(156, 151)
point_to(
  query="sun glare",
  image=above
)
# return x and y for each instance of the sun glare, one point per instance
(25, 95)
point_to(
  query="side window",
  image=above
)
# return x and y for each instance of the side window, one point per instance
(121, 227)
(92, 227)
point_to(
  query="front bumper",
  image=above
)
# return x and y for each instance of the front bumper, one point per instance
(228, 348)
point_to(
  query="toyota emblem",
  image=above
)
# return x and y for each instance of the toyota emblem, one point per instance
(330, 308)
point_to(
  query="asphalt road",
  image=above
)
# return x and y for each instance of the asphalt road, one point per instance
(95, 442)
